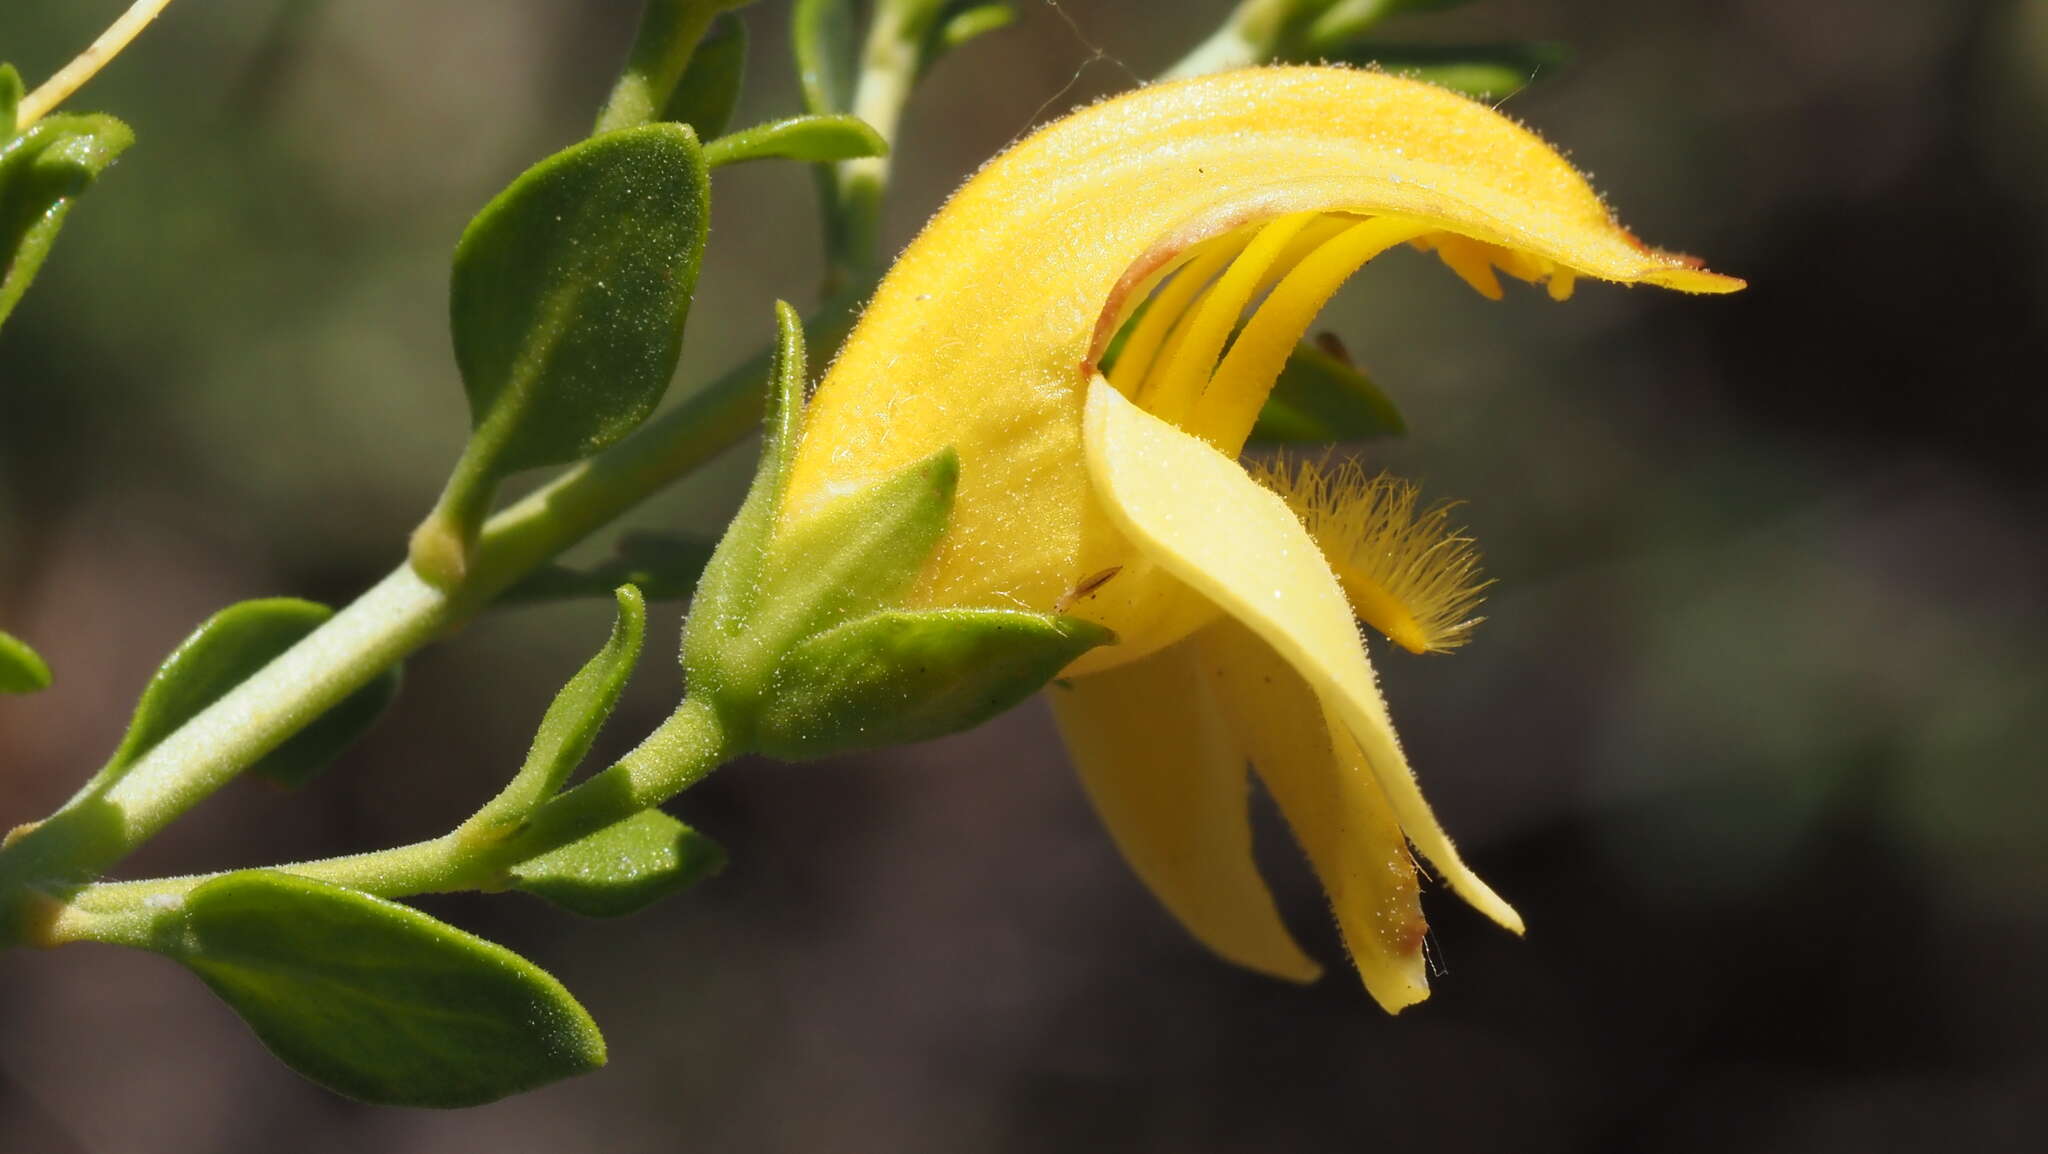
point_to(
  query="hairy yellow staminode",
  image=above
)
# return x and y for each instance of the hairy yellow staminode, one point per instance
(1408, 571)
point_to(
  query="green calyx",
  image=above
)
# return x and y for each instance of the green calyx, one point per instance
(798, 637)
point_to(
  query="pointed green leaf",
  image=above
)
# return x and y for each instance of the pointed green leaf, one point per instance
(11, 93)
(622, 868)
(42, 171)
(378, 1001)
(818, 139)
(664, 566)
(221, 654)
(710, 87)
(1321, 397)
(663, 50)
(904, 676)
(967, 21)
(571, 723)
(827, 45)
(22, 670)
(1342, 22)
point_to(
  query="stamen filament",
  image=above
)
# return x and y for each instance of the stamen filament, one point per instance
(1237, 391)
(1171, 302)
(1172, 390)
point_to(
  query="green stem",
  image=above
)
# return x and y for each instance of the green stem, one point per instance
(1252, 34)
(889, 64)
(399, 615)
(678, 754)
(669, 32)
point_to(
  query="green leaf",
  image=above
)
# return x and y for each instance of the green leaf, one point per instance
(710, 87)
(827, 46)
(1321, 397)
(571, 723)
(1342, 22)
(221, 654)
(817, 139)
(966, 21)
(1481, 71)
(378, 1001)
(907, 676)
(22, 670)
(664, 566)
(622, 868)
(568, 299)
(42, 171)
(11, 93)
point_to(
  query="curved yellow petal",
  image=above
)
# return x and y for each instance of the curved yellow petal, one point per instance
(1335, 805)
(1170, 785)
(1197, 514)
(984, 334)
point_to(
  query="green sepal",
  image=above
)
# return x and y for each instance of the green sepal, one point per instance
(573, 718)
(622, 868)
(1321, 397)
(1481, 71)
(11, 92)
(665, 567)
(710, 87)
(567, 304)
(225, 651)
(816, 139)
(731, 584)
(901, 676)
(826, 43)
(42, 171)
(22, 669)
(378, 1001)
(858, 553)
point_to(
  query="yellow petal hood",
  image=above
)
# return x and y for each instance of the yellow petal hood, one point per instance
(983, 335)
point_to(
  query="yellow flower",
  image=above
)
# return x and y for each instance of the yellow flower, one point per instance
(1119, 498)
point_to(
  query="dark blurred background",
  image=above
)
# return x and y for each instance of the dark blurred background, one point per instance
(1752, 735)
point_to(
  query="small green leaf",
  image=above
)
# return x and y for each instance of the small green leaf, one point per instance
(11, 93)
(574, 717)
(908, 676)
(967, 21)
(817, 139)
(22, 670)
(1342, 22)
(1481, 71)
(221, 654)
(664, 566)
(42, 171)
(568, 299)
(378, 1001)
(622, 868)
(827, 46)
(1321, 397)
(710, 87)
